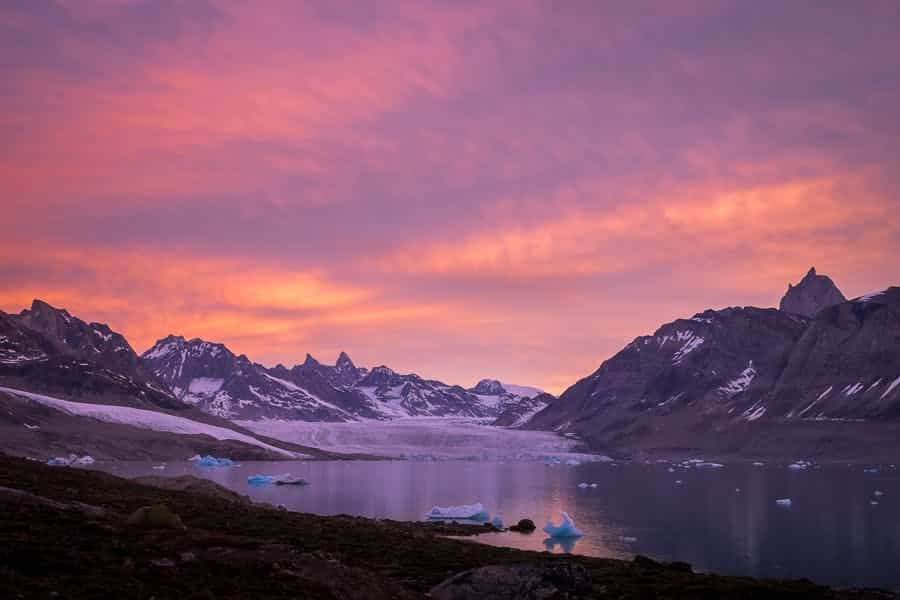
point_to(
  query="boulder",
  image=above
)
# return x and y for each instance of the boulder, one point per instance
(529, 581)
(524, 526)
(158, 516)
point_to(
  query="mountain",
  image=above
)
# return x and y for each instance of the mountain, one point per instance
(723, 380)
(212, 378)
(515, 404)
(48, 350)
(813, 294)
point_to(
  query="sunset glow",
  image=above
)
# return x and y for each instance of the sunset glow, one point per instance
(457, 189)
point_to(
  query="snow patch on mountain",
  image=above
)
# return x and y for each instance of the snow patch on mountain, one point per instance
(145, 419)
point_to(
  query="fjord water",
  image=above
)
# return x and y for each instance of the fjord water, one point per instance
(719, 520)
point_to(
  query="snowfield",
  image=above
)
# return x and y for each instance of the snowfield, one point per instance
(145, 419)
(422, 438)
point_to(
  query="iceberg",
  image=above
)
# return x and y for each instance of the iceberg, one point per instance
(709, 465)
(593, 485)
(566, 529)
(212, 461)
(573, 463)
(195, 458)
(878, 493)
(583, 485)
(72, 459)
(800, 465)
(759, 464)
(785, 502)
(468, 512)
(497, 522)
(159, 467)
(260, 479)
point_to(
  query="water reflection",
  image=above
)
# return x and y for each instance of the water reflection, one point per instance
(722, 520)
(565, 544)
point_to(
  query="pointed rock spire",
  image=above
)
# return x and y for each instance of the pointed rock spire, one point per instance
(814, 293)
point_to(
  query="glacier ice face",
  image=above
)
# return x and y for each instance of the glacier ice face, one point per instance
(566, 529)
(468, 512)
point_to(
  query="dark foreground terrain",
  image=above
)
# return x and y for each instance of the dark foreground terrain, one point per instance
(69, 533)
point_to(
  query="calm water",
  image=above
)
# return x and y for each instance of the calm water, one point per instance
(832, 534)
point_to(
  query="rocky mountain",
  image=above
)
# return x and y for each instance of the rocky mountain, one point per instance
(514, 404)
(48, 350)
(722, 377)
(813, 294)
(211, 377)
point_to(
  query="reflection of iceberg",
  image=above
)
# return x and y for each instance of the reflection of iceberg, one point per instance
(469, 512)
(566, 529)
(566, 544)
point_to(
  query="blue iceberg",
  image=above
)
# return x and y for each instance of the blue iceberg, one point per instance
(212, 461)
(260, 479)
(566, 529)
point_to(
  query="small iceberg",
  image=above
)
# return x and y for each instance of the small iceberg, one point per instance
(260, 479)
(584, 484)
(878, 493)
(784, 502)
(212, 461)
(195, 458)
(72, 459)
(467, 512)
(593, 485)
(628, 539)
(497, 522)
(573, 463)
(159, 467)
(800, 465)
(566, 529)
(709, 465)
(759, 464)
(678, 482)
(870, 470)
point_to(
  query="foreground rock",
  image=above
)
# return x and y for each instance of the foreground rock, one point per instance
(53, 547)
(526, 582)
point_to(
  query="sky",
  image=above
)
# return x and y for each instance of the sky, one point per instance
(459, 189)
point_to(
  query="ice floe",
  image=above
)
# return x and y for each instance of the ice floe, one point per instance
(468, 512)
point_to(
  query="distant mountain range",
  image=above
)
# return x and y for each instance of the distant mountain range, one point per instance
(45, 349)
(728, 379)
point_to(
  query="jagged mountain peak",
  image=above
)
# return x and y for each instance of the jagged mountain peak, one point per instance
(344, 362)
(488, 387)
(811, 295)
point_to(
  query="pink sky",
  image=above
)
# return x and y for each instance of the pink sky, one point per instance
(458, 189)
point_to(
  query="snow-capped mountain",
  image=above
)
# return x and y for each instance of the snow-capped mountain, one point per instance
(46, 349)
(211, 377)
(723, 371)
(515, 404)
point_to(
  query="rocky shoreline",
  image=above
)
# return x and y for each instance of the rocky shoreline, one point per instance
(70, 533)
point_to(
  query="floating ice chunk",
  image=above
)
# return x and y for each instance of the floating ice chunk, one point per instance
(497, 522)
(678, 482)
(195, 458)
(870, 470)
(628, 539)
(566, 528)
(260, 479)
(785, 502)
(584, 484)
(873, 502)
(27, 426)
(159, 467)
(709, 465)
(469, 512)
(800, 465)
(593, 485)
(573, 463)
(212, 461)
(670, 470)
(878, 493)
(72, 459)
(759, 464)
